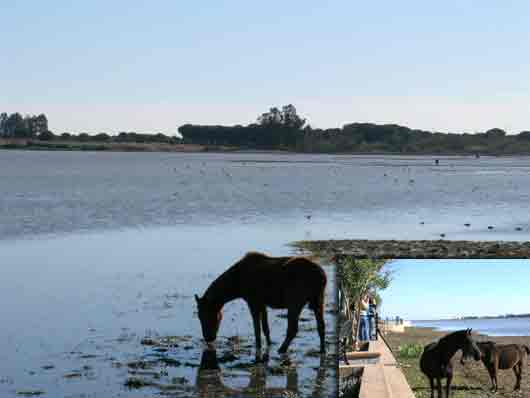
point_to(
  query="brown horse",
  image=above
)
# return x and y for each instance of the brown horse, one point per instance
(503, 356)
(263, 281)
(436, 361)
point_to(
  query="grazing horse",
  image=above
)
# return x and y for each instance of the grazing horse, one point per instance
(436, 361)
(263, 281)
(503, 356)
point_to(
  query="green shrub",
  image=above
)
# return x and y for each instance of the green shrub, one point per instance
(410, 350)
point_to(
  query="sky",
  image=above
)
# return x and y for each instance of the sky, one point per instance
(144, 66)
(441, 289)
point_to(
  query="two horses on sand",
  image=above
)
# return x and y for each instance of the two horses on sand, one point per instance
(436, 361)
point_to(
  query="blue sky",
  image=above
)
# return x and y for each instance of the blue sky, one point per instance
(437, 289)
(151, 66)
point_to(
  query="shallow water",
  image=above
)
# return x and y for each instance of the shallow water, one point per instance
(489, 327)
(100, 250)
(80, 305)
(376, 196)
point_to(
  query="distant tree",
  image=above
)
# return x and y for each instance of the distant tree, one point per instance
(524, 135)
(287, 117)
(46, 136)
(66, 136)
(83, 137)
(495, 133)
(290, 118)
(3, 120)
(271, 118)
(16, 126)
(101, 137)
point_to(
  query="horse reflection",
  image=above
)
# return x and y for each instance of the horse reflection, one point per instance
(210, 381)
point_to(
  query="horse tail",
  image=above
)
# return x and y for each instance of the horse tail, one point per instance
(318, 301)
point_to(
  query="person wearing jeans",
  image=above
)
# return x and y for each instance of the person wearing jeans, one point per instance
(372, 312)
(364, 321)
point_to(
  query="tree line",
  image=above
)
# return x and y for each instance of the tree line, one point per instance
(284, 129)
(18, 126)
(36, 126)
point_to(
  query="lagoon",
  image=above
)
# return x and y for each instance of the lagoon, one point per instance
(101, 250)
(489, 327)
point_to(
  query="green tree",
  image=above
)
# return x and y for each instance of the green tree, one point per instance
(357, 278)
(46, 136)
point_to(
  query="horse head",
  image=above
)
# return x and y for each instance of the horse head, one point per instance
(210, 319)
(470, 348)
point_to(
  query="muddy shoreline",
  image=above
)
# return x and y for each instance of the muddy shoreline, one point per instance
(421, 249)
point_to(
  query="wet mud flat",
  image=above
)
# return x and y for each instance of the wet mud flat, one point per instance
(135, 364)
(471, 380)
(183, 366)
(396, 249)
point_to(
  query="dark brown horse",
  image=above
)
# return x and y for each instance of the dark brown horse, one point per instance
(263, 281)
(503, 356)
(436, 361)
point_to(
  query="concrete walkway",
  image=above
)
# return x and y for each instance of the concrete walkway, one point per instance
(382, 379)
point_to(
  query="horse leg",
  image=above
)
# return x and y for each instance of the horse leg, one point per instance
(517, 370)
(439, 386)
(491, 372)
(431, 381)
(495, 371)
(265, 325)
(255, 312)
(293, 313)
(448, 385)
(318, 309)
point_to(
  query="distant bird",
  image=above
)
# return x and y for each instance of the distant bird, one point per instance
(308, 216)
(422, 222)
(442, 235)
(467, 224)
(490, 226)
(518, 229)
(436, 162)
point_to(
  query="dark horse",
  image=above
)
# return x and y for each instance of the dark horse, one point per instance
(503, 356)
(436, 361)
(263, 281)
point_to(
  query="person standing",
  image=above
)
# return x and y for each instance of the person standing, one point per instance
(372, 314)
(364, 321)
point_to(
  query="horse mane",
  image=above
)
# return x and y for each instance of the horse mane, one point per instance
(226, 277)
(442, 343)
(451, 335)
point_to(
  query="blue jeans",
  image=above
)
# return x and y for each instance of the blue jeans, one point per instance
(373, 328)
(364, 328)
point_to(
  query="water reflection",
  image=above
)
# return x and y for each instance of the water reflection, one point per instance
(210, 379)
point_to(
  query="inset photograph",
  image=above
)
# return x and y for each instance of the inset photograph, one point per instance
(434, 328)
